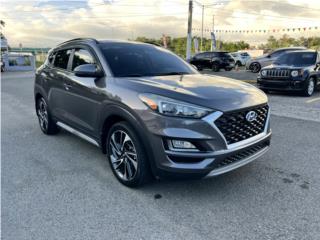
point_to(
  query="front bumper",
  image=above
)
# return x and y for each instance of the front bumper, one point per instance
(281, 84)
(217, 156)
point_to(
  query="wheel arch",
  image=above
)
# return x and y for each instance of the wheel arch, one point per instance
(116, 113)
(314, 77)
(39, 92)
(239, 63)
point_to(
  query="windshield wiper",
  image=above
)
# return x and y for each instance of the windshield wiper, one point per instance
(171, 73)
(132, 75)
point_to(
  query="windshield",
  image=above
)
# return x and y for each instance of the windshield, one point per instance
(134, 60)
(297, 59)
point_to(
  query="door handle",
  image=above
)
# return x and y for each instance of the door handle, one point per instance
(67, 86)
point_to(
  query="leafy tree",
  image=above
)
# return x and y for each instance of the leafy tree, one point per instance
(286, 41)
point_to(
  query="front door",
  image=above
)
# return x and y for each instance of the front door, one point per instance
(84, 94)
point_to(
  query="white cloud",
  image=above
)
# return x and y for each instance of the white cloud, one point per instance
(51, 22)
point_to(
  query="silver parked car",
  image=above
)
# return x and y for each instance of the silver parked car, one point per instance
(255, 64)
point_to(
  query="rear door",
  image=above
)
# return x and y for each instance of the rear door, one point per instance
(207, 60)
(84, 95)
(55, 81)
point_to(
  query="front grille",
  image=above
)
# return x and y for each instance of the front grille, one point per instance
(242, 155)
(235, 127)
(277, 73)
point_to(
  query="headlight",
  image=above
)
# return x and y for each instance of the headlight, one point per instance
(294, 73)
(171, 107)
(264, 73)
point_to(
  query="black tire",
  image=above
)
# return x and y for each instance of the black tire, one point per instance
(119, 159)
(228, 69)
(255, 67)
(215, 67)
(47, 125)
(238, 63)
(310, 88)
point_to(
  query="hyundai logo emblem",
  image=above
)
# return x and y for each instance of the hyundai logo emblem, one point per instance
(251, 116)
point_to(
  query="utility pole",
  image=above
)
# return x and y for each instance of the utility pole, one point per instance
(212, 23)
(189, 36)
(202, 28)
(212, 31)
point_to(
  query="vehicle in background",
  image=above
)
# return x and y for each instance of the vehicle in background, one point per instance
(150, 111)
(240, 58)
(255, 64)
(213, 60)
(295, 71)
(2, 65)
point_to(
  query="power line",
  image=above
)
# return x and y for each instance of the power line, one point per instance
(110, 17)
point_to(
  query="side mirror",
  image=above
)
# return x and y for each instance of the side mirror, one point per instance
(269, 56)
(88, 70)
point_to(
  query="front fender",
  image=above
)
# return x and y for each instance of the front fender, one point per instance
(111, 110)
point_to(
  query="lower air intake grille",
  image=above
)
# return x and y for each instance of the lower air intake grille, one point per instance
(242, 155)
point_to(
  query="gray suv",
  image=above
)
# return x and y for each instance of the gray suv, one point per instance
(149, 111)
(255, 64)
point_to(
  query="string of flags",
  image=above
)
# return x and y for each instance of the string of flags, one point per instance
(249, 31)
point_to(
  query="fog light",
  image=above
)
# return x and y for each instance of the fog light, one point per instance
(182, 144)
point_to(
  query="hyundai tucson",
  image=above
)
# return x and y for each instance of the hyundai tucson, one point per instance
(150, 112)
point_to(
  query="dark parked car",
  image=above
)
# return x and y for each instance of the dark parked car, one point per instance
(150, 111)
(255, 64)
(213, 60)
(294, 71)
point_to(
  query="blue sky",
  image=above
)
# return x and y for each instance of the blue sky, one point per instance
(46, 23)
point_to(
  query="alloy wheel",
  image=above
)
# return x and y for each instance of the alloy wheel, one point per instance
(43, 114)
(123, 155)
(310, 87)
(255, 67)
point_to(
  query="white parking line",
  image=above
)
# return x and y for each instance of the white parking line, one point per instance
(313, 100)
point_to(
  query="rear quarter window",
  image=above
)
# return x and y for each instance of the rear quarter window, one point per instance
(50, 58)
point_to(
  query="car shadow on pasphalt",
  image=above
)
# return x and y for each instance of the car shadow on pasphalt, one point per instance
(215, 186)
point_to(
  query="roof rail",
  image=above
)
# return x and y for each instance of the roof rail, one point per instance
(79, 39)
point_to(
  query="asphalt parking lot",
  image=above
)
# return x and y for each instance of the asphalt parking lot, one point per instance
(61, 187)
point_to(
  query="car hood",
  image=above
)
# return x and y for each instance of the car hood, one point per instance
(214, 92)
(283, 66)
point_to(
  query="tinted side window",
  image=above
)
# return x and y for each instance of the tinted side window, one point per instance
(207, 55)
(277, 53)
(62, 58)
(82, 56)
